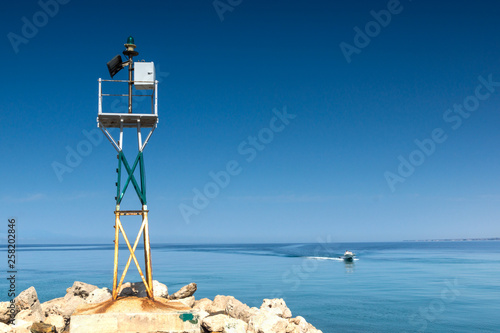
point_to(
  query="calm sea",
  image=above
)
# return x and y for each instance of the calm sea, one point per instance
(391, 287)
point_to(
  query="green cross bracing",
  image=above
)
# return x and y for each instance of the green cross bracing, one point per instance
(141, 191)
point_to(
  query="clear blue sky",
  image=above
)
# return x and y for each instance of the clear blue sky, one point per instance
(359, 101)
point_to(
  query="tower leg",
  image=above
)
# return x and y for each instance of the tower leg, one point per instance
(147, 251)
(117, 236)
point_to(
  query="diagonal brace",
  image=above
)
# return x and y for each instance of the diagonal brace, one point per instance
(148, 287)
(130, 256)
(141, 193)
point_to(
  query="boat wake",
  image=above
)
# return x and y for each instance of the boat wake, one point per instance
(329, 258)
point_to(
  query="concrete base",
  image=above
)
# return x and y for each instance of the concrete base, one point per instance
(134, 315)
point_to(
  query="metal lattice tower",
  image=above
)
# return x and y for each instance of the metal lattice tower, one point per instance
(144, 75)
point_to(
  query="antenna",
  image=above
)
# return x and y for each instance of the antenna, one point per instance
(106, 120)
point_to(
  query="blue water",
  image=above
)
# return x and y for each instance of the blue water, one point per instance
(392, 287)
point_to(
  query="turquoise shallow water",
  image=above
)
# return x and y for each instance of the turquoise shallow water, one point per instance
(392, 287)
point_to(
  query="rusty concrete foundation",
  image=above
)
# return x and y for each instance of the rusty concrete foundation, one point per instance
(134, 315)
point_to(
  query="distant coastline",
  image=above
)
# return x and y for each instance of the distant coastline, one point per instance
(456, 240)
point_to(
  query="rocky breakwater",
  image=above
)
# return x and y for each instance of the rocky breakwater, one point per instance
(223, 314)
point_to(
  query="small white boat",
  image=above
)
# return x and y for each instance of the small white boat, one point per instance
(348, 256)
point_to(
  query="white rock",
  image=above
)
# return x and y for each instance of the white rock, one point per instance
(238, 310)
(160, 289)
(31, 309)
(219, 304)
(267, 322)
(75, 295)
(79, 289)
(27, 299)
(4, 328)
(250, 329)
(302, 326)
(202, 314)
(233, 325)
(57, 321)
(278, 305)
(5, 313)
(98, 296)
(215, 323)
(30, 316)
(202, 304)
(21, 326)
(54, 306)
(188, 301)
(69, 306)
(297, 325)
(184, 292)
(312, 329)
(292, 328)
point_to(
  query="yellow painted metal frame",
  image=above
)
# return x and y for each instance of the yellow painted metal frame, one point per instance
(144, 230)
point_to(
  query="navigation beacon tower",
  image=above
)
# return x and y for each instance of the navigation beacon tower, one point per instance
(144, 79)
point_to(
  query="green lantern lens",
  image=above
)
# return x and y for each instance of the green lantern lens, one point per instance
(130, 40)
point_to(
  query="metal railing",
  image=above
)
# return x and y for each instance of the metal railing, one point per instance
(153, 95)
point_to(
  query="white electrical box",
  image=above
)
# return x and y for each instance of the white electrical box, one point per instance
(145, 73)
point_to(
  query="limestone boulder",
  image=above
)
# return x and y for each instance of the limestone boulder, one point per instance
(184, 292)
(79, 289)
(53, 307)
(160, 289)
(297, 325)
(202, 304)
(57, 321)
(300, 325)
(4, 328)
(238, 310)
(188, 301)
(312, 329)
(98, 296)
(278, 306)
(233, 325)
(27, 299)
(75, 295)
(292, 328)
(33, 316)
(69, 306)
(5, 311)
(21, 326)
(202, 314)
(215, 323)
(267, 322)
(30, 309)
(219, 304)
(254, 311)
